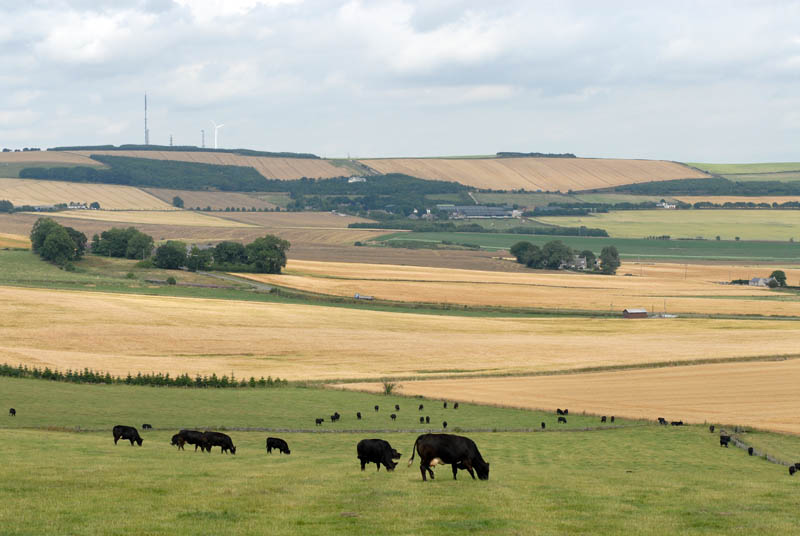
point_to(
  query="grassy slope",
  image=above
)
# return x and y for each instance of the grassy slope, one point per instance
(643, 479)
(769, 167)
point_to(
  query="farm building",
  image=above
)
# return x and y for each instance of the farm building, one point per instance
(476, 211)
(634, 313)
(761, 281)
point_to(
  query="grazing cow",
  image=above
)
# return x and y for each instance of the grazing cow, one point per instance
(319, 421)
(676, 423)
(603, 418)
(126, 432)
(711, 429)
(218, 439)
(460, 452)
(560, 411)
(377, 451)
(422, 420)
(193, 437)
(358, 415)
(421, 407)
(792, 470)
(797, 466)
(12, 412)
(397, 407)
(724, 440)
(427, 420)
(455, 406)
(662, 420)
(612, 418)
(750, 451)
(543, 425)
(445, 405)
(393, 416)
(444, 424)
(562, 420)
(334, 417)
(178, 441)
(146, 426)
(278, 444)
(376, 408)
(566, 411)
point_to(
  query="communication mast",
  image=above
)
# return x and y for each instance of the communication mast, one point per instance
(203, 138)
(146, 130)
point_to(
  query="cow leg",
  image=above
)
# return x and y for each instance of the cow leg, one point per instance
(115, 440)
(363, 464)
(422, 470)
(131, 442)
(455, 470)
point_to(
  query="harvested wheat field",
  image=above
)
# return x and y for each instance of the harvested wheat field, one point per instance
(46, 157)
(537, 173)
(270, 167)
(297, 220)
(762, 394)
(657, 287)
(38, 192)
(168, 217)
(125, 333)
(8, 240)
(214, 200)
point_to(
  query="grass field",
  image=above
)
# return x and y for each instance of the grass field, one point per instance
(781, 176)
(763, 394)
(721, 199)
(630, 248)
(639, 479)
(653, 287)
(726, 169)
(549, 174)
(36, 192)
(168, 217)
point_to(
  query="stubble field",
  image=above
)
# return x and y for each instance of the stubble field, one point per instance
(168, 217)
(38, 192)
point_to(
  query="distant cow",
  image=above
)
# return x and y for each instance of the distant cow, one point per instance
(12, 412)
(460, 452)
(724, 440)
(397, 407)
(319, 421)
(146, 426)
(792, 470)
(421, 407)
(612, 418)
(393, 416)
(218, 439)
(603, 418)
(750, 451)
(193, 437)
(560, 411)
(677, 423)
(278, 444)
(543, 425)
(562, 420)
(178, 441)
(445, 405)
(335, 417)
(358, 415)
(444, 424)
(377, 451)
(662, 420)
(126, 432)
(422, 420)
(376, 408)
(566, 411)
(711, 429)
(455, 406)
(427, 420)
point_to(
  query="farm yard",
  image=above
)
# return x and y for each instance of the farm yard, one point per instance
(110, 197)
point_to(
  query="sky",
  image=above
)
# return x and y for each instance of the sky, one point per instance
(711, 81)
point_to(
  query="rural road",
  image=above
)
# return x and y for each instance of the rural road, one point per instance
(234, 279)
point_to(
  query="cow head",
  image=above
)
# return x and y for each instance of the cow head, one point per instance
(287, 451)
(139, 441)
(395, 455)
(482, 468)
(233, 449)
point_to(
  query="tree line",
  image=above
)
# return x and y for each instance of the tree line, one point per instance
(154, 379)
(57, 243)
(712, 186)
(555, 254)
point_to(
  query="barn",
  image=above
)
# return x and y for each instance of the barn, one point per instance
(634, 313)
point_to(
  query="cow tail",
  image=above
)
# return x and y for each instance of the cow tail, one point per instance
(413, 452)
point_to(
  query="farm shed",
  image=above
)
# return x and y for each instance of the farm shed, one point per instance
(634, 313)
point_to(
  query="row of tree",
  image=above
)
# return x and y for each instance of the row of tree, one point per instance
(57, 243)
(555, 254)
(712, 186)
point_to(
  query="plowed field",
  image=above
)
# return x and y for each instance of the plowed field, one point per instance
(37, 192)
(536, 173)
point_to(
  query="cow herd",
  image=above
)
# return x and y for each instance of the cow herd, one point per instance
(393, 416)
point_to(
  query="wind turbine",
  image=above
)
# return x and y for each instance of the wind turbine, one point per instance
(216, 128)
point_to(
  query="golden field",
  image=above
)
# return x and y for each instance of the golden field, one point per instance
(536, 173)
(170, 217)
(39, 192)
(214, 200)
(125, 333)
(762, 394)
(269, 167)
(8, 240)
(681, 288)
(46, 157)
(297, 220)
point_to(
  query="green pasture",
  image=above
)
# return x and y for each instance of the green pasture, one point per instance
(728, 224)
(637, 479)
(783, 176)
(630, 248)
(768, 167)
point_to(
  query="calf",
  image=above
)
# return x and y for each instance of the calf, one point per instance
(178, 441)
(445, 405)
(376, 408)
(460, 452)
(566, 411)
(677, 423)
(444, 424)
(218, 439)
(612, 418)
(603, 418)
(422, 420)
(455, 406)
(278, 444)
(126, 432)
(358, 415)
(724, 440)
(421, 407)
(393, 416)
(319, 421)
(427, 420)
(562, 420)
(377, 451)
(193, 437)
(12, 412)
(711, 429)
(543, 425)
(146, 426)
(397, 407)
(559, 411)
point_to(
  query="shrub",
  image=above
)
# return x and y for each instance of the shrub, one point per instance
(172, 281)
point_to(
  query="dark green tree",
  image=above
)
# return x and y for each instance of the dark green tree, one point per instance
(780, 277)
(177, 202)
(6, 205)
(140, 246)
(80, 241)
(171, 255)
(39, 232)
(230, 253)
(609, 260)
(198, 259)
(58, 247)
(556, 253)
(95, 205)
(267, 254)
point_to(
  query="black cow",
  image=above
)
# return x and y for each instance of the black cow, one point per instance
(750, 451)
(335, 417)
(797, 466)
(711, 429)
(12, 412)
(126, 432)
(146, 426)
(178, 441)
(792, 470)
(445, 405)
(421, 407)
(397, 407)
(566, 411)
(724, 440)
(376, 408)
(676, 423)
(358, 415)
(218, 439)
(422, 420)
(444, 424)
(543, 425)
(455, 406)
(662, 420)
(562, 420)
(603, 418)
(377, 451)
(560, 411)
(427, 420)
(278, 444)
(460, 452)
(319, 421)
(193, 437)
(612, 418)
(393, 416)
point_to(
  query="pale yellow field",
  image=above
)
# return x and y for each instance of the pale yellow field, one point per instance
(122, 333)
(170, 217)
(762, 394)
(653, 287)
(296, 220)
(271, 168)
(536, 173)
(215, 200)
(720, 199)
(8, 240)
(37, 192)
(46, 157)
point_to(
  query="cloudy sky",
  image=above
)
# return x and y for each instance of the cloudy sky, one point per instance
(692, 81)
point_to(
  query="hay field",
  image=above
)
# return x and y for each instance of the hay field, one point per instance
(8, 240)
(536, 173)
(720, 199)
(168, 217)
(767, 167)
(46, 157)
(38, 192)
(728, 224)
(122, 333)
(653, 286)
(215, 200)
(763, 394)
(269, 167)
